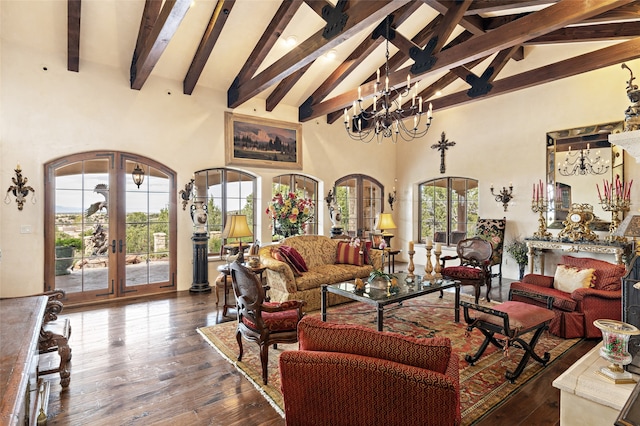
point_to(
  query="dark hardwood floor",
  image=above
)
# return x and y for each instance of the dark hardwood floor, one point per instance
(141, 362)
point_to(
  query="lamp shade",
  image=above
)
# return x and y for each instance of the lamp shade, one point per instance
(629, 227)
(385, 221)
(236, 227)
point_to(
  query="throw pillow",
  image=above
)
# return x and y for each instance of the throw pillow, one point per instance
(569, 278)
(294, 257)
(277, 255)
(608, 275)
(348, 254)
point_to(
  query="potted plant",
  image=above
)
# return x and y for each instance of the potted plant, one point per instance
(517, 249)
(289, 212)
(379, 279)
(65, 251)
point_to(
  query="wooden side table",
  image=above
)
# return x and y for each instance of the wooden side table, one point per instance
(224, 269)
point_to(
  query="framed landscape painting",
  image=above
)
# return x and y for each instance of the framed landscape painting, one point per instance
(260, 142)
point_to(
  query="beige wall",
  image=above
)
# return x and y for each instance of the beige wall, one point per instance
(49, 114)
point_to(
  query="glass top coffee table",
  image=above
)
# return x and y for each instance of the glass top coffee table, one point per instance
(383, 297)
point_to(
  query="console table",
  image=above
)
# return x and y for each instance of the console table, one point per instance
(586, 398)
(19, 333)
(542, 245)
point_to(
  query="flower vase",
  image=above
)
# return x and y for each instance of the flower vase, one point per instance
(521, 270)
(615, 349)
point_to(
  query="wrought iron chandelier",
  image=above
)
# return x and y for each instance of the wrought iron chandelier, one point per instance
(386, 117)
(580, 163)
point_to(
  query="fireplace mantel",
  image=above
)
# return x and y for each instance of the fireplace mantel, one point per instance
(598, 247)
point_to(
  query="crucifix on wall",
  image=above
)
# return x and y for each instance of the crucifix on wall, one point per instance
(442, 146)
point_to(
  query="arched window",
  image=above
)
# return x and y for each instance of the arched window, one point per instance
(226, 191)
(302, 186)
(448, 209)
(361, 199)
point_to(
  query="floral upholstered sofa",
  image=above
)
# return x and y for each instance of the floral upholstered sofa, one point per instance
(326, 260)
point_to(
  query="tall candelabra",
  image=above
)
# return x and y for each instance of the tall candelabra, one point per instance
(539, 205)
(617, 198)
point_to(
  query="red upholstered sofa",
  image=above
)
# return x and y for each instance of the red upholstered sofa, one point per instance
(576, 311)
(353, 375)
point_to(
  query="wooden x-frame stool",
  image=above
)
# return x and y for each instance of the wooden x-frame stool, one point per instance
(511, 320)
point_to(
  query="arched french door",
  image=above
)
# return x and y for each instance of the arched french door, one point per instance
(105, 236)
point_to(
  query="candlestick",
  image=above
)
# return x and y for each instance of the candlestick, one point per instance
(438, 268)
(428, 267)
(411, 266)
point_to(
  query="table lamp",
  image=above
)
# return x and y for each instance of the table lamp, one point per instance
(629, 227)
(385, 221)
(237, 227)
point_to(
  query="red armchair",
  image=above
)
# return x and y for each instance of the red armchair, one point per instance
(576, 311)
(349, 374)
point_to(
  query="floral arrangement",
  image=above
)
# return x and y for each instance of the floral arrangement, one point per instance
(289, 213)
(518, 250)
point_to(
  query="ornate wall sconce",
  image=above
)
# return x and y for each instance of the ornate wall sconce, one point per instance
(504, 196)
(187, 194)
(138, 175)
(20, 189)
(392, 198)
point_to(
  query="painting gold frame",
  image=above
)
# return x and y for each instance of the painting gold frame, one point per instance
(260, 142)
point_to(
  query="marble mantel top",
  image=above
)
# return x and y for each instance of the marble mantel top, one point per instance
(591, 247)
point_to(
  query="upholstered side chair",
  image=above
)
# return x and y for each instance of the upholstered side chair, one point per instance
(266, 323)
(492, 230)
(474, 255)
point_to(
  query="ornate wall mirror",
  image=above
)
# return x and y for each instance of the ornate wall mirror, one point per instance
(577, 160)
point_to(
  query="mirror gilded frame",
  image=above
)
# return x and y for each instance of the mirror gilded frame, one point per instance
(559, 188)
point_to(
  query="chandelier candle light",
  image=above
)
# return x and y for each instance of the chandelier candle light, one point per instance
(616, 198)
(385, 118)
(539, 205)
(581, 163)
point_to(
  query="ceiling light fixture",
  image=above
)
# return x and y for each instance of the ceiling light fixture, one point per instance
(580, 163)
(291, 40)
(389, 120)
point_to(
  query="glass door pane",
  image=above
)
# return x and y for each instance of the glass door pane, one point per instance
(81, 222)
(147, 230)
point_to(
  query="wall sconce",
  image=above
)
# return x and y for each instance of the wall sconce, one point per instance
(20, 189)
(504, 196)
(392, 198)
(138, 175)
(187, 193)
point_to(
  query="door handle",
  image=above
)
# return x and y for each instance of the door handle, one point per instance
(121, 245)
(113, 246)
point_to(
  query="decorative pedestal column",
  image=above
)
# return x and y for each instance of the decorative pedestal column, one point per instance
(200, 264)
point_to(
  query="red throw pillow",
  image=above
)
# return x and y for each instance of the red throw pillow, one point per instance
(294, 257)
(277, 255)
(348, 254)
(608, 275)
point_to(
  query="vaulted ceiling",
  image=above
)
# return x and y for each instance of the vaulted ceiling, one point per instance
(459, 51)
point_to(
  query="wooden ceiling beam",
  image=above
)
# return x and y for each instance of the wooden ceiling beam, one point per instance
(473, 24)
(362, 14)
(621, 52)
(365, 48)
(549, 19)
(170, 17)
(207, 42)
(149, 17)
(616, 31)
(73, 35)
(279, 22)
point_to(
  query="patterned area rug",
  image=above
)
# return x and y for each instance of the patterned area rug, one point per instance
(482, 386)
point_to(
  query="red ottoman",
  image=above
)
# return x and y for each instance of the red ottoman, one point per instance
(510, 320)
